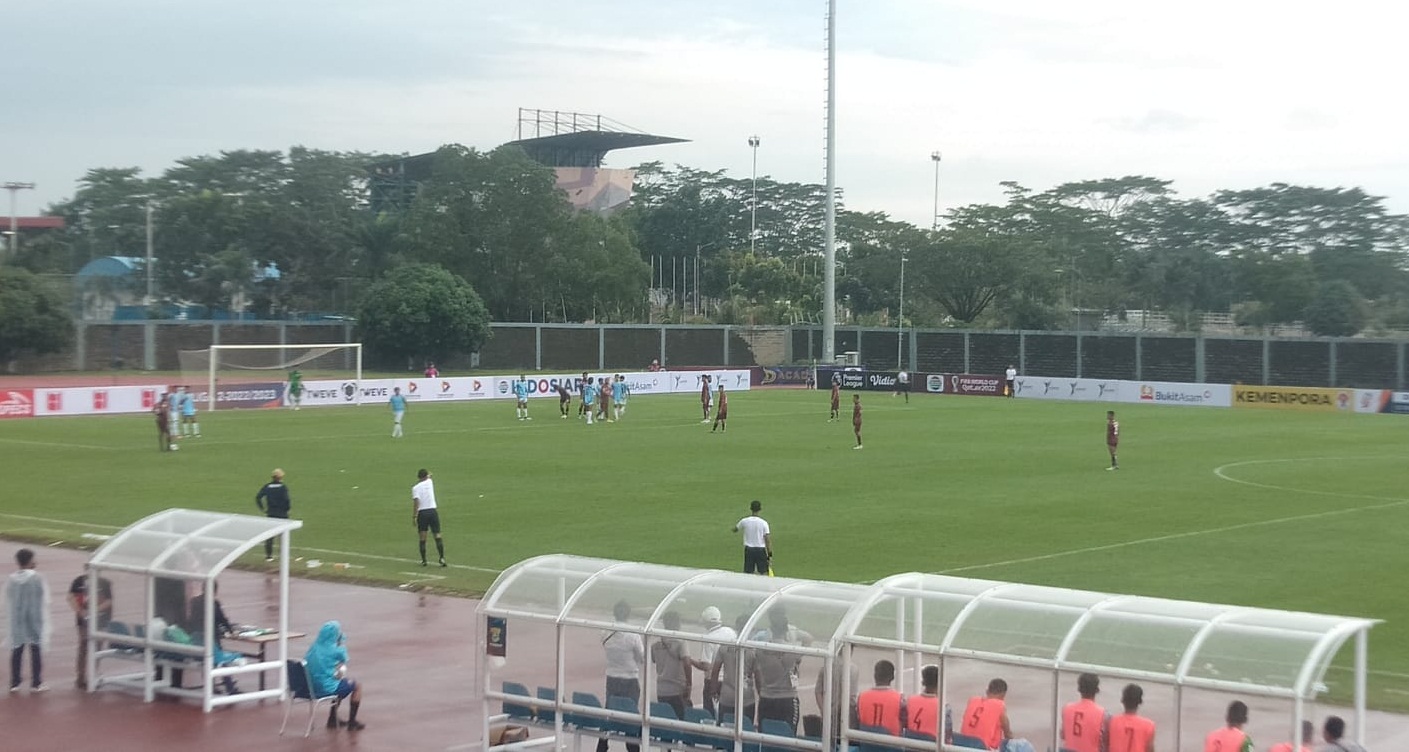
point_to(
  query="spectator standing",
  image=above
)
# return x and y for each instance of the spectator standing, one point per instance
(273, 501)
(327, 667)
(736, 685)
(775, 671)
(1011, 377)
(1130, 731)
(78, 602)
(626, 653)
(1084, 721)
(27, 598)
(431, 372)
(758, 540)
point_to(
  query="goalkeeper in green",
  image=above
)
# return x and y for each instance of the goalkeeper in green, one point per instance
(295, 387)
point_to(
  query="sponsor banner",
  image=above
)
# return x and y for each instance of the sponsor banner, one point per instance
(16, 403)
(1174, 393)
(242, 396)
(97, 400)
(934, 382)
(973, 385)
(855, 379)
(348, 391)
(1080, 390)
(1372, 400)
(786, 375)
(1294, 398)
(1397, 402)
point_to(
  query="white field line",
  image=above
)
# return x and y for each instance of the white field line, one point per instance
(57, 444)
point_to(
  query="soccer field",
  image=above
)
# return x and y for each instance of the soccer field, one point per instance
(1272, 509)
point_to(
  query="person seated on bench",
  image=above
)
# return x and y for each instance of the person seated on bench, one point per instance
(177, 634)
(1084, 722)
(986, 719)
(922, 710)
(882, 705)
(327, 667)
(195, 625)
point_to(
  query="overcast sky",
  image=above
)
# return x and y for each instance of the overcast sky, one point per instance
(1228, 94)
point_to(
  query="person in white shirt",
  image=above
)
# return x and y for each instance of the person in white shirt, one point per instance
(1011, 376)
(758, 541)
(425, 515)
(714, 629)
(626, 653)
(902, 381)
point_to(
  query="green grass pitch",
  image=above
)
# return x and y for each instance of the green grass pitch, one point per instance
(1274, 509)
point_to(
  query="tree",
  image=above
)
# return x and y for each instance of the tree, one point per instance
(34, 317)
(422, 312)
(1336, 311)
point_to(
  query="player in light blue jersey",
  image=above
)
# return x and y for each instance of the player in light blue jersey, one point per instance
(189, 425)
(521, 394)
(589, 399)
(620, 391)
(398, 411)
(173, 411)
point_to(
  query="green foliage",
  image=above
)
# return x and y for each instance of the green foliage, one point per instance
(422, 312)
(34, 316)
(1337, 310)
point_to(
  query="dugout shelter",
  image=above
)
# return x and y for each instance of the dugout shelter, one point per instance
(154, 568)
(540, 658)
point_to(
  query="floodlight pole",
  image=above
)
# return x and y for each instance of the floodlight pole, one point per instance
(150, 279)
(14, 189)
(900, 320)
(829, 292)
(753, 202)
(934, 222)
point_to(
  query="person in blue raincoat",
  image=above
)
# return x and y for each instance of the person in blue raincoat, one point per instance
(327, 667)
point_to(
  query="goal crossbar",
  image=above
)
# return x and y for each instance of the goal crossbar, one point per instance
(309, 352)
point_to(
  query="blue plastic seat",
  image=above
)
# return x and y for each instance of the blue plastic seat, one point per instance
(516, 710)
(585, 699)
(547, 715)
(624, 705)
(664, 711)
(971, 742)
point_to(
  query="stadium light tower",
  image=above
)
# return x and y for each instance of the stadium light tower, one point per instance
(753, 202)
(829, 285)
(900, 320)
(934, 222)
(14, 189)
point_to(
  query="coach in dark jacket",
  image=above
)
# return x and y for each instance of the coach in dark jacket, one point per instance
(273, 501)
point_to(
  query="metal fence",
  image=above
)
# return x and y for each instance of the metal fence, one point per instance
(1363, 363)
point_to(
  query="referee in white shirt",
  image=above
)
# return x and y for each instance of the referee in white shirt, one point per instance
(425, 515)
(758, 543)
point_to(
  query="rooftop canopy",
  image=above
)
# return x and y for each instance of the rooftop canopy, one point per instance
(1265, 651)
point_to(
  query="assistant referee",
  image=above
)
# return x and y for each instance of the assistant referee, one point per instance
(425, 515)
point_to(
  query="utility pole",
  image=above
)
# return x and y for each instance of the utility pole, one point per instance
(900, 320)
(14, 189)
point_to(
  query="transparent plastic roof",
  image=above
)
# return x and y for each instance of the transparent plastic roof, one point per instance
(1179, 642)
(186, 543)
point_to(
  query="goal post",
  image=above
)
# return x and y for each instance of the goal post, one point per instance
(248, 363)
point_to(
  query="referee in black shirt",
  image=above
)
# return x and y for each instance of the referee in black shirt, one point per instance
(273, 501)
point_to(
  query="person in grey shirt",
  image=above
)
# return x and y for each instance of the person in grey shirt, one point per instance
(626, 652)
(672, 665)
(1333, 731)
(776, 672)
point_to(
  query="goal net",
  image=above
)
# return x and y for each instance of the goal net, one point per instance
(224, 365)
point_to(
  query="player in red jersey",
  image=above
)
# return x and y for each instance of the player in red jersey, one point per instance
(856, 418)
(1112, 438)
(721, 412)
(836, 400)
(160, 411)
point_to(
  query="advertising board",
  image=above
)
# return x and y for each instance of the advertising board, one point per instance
(1304, 398)
(1175, 393)
(1080, 390)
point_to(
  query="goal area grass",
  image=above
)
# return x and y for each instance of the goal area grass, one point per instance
(1273, 509)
